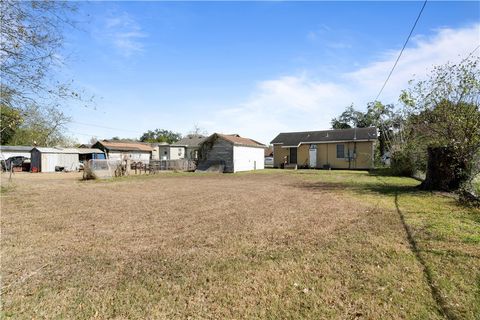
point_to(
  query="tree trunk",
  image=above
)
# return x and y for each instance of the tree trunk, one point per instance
(444, 171)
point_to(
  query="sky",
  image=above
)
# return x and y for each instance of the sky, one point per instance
(251, 68)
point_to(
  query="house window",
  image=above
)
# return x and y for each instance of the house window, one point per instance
(340, 151)
(313, 146)
(179, 152)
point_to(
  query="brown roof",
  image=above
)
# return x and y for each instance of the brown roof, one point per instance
(240, 141)
(126, 146)
(297, 138)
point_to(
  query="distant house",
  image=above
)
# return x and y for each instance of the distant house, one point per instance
(161, 151)
(125, 150)
(14, 151)
(339, 149)
(191, 144)
(232, 152)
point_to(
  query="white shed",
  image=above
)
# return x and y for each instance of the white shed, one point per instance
(47, 159)
(231, 151)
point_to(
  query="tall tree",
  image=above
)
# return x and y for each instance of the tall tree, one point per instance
(32, 39)
(31, 50)
(444, 119)
(43, 127)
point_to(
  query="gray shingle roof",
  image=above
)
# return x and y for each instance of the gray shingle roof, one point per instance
(191, 140)
(297, 138)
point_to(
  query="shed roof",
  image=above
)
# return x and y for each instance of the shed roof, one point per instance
(56, 150)
(68, 150)
(88, 150)
(191, 140)
(297, 138)
(235, 139)
(126, 146)
(16, 148)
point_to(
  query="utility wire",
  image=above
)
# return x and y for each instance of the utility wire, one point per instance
(403, 48)
(104, 127)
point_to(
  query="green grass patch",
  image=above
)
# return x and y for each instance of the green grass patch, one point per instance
(447, 235)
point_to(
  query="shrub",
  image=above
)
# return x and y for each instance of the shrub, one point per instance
(402, 164)
(88, 172)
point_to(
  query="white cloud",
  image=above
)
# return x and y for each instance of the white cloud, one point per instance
(125, 34)
(447, 45)
(301, 102)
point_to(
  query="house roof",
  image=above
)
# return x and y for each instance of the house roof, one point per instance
(125, 146)
(16, 148)
(235, 139)
(191, 140)
(298, 138)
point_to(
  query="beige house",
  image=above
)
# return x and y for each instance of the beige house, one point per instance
(336, 149)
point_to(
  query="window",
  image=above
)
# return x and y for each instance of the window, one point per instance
(179, 152)
(340, 151)
(313, 146)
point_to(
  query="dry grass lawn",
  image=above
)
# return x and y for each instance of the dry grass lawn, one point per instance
(271, 245)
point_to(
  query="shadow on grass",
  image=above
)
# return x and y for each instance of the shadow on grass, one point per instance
(382, 187)
(442, 306)
(361, 188)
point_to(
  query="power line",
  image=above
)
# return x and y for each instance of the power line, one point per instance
(104, 127)
(403, 48)
(471, 53)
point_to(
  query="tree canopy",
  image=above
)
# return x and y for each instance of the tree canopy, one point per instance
(160, 135)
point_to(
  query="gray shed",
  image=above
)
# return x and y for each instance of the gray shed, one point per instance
(230, 153)
(47, 159)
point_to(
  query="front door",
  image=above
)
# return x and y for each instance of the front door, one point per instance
(312, 156)
(293, 155)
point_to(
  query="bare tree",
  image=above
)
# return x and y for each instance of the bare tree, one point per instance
(42, 126)
(197, 130)
(31, 43)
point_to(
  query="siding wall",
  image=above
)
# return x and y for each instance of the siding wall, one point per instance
(46, 162)
(221, 150)
(134, 156)
(278, 155)
(190, 153)
(247, 158)
(327, 154)
(177, 153)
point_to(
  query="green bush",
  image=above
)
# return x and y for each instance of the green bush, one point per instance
(403, 164)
